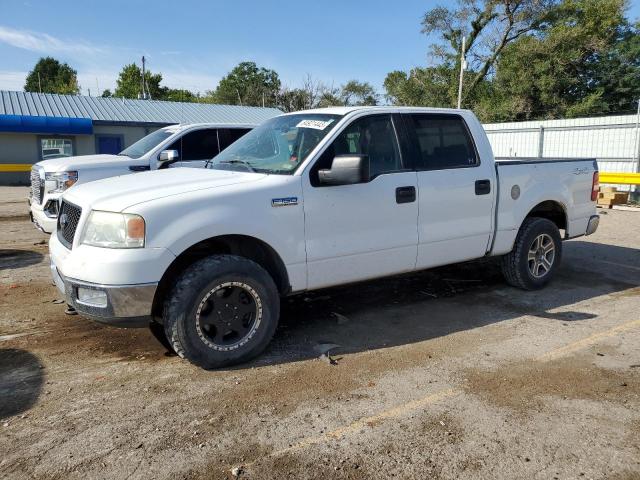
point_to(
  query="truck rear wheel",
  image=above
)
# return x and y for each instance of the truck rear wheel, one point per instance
(222, 310)
(535, 256)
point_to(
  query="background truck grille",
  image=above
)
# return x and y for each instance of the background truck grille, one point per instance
(68, 219)
(37, 186)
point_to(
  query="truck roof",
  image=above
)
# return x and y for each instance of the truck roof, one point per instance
(346, 110)
(183, 126)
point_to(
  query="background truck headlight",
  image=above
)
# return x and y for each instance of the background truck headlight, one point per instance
(56, 182)
(114, 230)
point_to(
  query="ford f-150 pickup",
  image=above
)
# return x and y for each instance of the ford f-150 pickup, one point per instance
(309, 200)
(184, 145)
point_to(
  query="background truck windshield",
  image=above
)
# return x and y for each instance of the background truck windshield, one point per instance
(279, 145)
(145, 144)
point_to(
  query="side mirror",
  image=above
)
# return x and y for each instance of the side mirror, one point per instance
(346, 170)
(168, 156)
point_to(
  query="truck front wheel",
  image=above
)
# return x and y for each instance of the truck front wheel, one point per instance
(535, 256)
(222, 310)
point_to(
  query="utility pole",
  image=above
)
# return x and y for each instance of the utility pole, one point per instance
(463, 65)
(637, 146)
(144, 94)
(39, 83)
(637, 152)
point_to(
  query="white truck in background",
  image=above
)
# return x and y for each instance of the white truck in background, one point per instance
(184, 145)
(309, 200)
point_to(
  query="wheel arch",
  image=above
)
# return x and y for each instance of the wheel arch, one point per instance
(244, 246)
(551, 210)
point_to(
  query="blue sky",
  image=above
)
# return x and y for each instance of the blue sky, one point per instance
(194, 43)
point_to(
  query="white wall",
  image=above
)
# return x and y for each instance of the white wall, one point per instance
(613, 141)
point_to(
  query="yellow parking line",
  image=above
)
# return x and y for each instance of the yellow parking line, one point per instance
(588, 341)
(616, 264)
(15, 167)
(366, 421)
(430, 399)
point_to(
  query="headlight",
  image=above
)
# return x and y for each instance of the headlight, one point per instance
(114, 230)
(59, 181)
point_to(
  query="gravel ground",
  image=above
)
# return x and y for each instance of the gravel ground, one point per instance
(443, 374)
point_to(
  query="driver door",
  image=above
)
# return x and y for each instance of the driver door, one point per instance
(365, 230)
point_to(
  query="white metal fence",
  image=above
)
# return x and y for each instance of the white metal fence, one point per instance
(613, 141)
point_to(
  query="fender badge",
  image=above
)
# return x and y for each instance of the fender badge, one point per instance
(284, 202)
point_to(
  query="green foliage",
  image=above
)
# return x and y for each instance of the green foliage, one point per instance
(358, 93)
(247, 84)
(432, 86)
(587, 62)
(106, 93)
(178, 95)
(129, 83)
(51, 76)
(549, 59)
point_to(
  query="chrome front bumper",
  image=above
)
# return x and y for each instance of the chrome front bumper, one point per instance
(126, 305)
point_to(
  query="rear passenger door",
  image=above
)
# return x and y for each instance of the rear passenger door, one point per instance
(196, 147)
(366, 230)
(455, 190)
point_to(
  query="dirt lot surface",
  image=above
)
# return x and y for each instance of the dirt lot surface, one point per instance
(444, 374)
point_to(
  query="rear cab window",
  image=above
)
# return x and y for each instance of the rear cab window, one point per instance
(440, 141)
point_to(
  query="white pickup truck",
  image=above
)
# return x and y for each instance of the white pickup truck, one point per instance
(309, 200)
(184, 145)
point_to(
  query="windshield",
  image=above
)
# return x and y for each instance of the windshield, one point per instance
(279, 145)
(145, 144)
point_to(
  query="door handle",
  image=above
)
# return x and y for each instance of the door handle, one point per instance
(483, 187)
(405, 194)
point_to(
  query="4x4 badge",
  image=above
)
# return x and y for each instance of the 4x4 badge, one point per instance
(284, 202)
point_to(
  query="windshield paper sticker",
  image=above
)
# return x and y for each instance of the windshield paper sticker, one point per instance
(317, 124)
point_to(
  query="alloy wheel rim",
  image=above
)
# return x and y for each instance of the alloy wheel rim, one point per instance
(541, 255)
(228, 316)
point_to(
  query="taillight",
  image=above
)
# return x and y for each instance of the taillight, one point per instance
(595, 186)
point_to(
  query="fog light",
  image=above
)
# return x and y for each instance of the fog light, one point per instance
(91, 297)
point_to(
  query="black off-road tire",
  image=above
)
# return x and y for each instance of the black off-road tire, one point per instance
(515, 264)
(191, 287)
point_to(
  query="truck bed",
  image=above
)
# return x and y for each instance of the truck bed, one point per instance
(526, 183)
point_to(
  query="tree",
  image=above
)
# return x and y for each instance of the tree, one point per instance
(358, 93)
(178, 95)
(421, 86)
(248, 84)
(51, 76)
(488, 25)
(586, 62)
(129, 83)
(106, 93)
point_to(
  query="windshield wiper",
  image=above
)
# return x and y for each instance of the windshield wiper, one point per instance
(241, 162)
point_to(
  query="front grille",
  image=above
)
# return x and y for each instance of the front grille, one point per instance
(37, 186)
(68, 223)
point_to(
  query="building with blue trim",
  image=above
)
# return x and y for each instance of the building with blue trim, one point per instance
(35, 126)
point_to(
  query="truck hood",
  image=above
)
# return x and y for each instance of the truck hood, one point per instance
(83, 162)
(117, 193)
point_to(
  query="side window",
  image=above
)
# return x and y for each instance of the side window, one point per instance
(229, 135)
(197, 145)
(373, 136)
(442, 142)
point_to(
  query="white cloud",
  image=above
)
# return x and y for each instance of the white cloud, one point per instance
(12, 80)
(45, 43)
